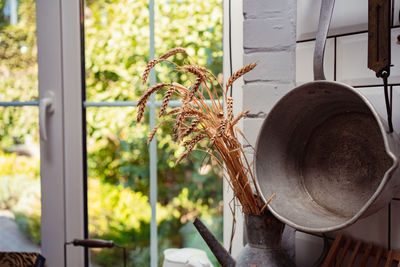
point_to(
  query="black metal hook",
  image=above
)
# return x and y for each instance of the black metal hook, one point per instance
(384, 74)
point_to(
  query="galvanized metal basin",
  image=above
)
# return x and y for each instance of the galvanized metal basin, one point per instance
(328, 156)
(325, 152)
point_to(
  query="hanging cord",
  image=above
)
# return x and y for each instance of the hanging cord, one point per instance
(230, 42)
(388, 98)
(230, 69)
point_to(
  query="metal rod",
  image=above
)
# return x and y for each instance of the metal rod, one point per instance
(342, 34)
(153, 150)
(172, 103)
(19, 104)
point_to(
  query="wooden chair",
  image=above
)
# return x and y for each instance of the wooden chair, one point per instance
(347, 252)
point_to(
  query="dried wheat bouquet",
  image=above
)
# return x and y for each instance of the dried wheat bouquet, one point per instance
(197, 120)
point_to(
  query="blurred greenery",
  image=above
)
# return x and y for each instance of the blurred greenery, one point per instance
(116, 53)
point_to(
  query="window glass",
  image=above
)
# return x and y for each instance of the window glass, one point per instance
(117, 42)
(20, 197)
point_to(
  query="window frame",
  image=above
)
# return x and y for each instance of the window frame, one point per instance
(60, 38)
(59, 54)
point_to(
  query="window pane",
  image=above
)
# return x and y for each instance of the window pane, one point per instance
(118, 184)
(188, 190)
(192, 188)
(20, 206)
(20, 197)
(117, 45)
(193, 25)
(18, 51)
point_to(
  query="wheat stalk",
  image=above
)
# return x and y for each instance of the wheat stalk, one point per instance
(173, 51)
(155, 61)
(239, 74)
(229, 108)
(143, 99)
(152, 133)
(197, 120)
(190, 129)
(166, 99)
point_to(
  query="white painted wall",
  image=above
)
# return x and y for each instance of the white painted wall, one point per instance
(236, 44)
(351, 68)
(265, 32)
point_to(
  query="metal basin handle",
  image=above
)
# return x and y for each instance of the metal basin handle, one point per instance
(322, 33)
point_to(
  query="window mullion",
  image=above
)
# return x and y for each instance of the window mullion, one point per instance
(52, 150)
(73, 129)
(153, 151)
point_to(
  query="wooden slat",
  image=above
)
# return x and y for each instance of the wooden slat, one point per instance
(343, 253)
(389, 259)
(354, 254)
(367, 253)
(333, 251)
(378, 256)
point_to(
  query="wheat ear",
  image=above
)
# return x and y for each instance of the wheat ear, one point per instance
(167, 98)
(155, 61)
(229, 108)
(173, 51)
(239, 74)
(143, 99)
(189, 129)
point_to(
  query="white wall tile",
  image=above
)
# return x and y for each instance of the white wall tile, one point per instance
(272, 66)
(395, 223)
(308, 249)
(372, 229)
(396, 116)
(251, 128)
(395, 70)
(262, 29)
(352, 60)
(261, 97)
(375, 95)
(348, 16)
(263, 9)
(304, 61)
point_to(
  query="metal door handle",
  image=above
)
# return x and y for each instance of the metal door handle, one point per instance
(46, 107)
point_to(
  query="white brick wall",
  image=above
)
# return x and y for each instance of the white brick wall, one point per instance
(268, 37)
(347, 57)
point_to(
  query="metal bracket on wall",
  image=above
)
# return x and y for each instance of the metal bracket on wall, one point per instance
(379, 45)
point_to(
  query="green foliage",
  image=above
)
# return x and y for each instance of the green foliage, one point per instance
(117, 39)
(116, 46)
(12, 164)
(18, 71)
(29, 224)
(20, 192)
(123, 215)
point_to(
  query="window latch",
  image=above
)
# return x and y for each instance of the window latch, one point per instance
(46, 107)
